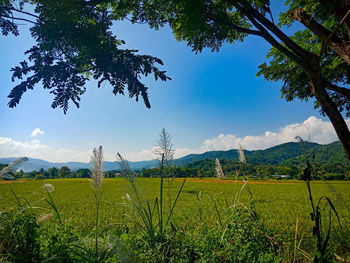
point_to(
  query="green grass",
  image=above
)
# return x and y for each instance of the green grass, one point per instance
(277, 202)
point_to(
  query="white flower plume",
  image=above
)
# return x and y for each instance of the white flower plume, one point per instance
(242, 158)
(10, 170)
(218, 169)
(48, 188)
(97, 171)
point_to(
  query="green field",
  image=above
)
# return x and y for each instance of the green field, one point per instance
(278, 203)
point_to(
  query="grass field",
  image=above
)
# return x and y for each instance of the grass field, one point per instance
(278, 203)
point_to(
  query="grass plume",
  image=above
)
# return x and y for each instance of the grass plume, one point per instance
(10, 170)
(242, 158)
(218, 169)
(97, 176)
(97, 171)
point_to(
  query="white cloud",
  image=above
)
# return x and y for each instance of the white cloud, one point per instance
(149, 154)
(35, 149)
(313, 129)
(36, 132)
(143, 155)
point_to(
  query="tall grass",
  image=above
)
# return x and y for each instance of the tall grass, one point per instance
(218, 169)
(49, 200)
(97, 176)
(241, 155)
(9, 171)
(323, 251)
(150, 211)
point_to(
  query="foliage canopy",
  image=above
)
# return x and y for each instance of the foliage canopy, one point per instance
(311, 63)
(74, 43)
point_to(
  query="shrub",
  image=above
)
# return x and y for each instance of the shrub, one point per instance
(39, 177)
(243, 239)
(57, 243)
(19, 236)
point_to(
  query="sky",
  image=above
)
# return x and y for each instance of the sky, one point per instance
(213, 102)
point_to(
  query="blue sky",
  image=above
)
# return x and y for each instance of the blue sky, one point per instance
(213, 102)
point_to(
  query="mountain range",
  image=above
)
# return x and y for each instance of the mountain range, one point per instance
(291, 153)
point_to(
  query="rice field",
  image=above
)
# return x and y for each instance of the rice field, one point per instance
(278, 203)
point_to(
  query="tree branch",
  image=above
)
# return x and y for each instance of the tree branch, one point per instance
(20, 11)
(269, 38)
(135, 22)
(21, 19)
(87, 70)
(341, 90)
(339, 46)
(233, 26)
(302, 53)
(340, 8)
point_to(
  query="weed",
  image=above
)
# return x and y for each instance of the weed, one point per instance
(323, 250)
(19, 236)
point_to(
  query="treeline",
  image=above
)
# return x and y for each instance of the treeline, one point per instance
(206, 168)
(53, 173)
(335, 171)
(173, 172)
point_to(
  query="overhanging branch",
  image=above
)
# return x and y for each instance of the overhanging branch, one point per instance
(233, 26)
(269, 38)
(19, 11)
(276, 31)
(20, 19)
(340, 90)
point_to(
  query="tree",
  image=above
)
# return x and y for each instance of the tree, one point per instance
(312, 63)
(83, 173)
(43, 172)
(64, 172)
(19, 174)
(2, 166)
(53, 172)
(199, 173)
(74, 43)
(39, 177)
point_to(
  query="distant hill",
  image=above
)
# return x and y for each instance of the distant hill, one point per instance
(283, 154)
(291, 153)
(212, 155)
(280, 153)
(323, 154)
(36, 164)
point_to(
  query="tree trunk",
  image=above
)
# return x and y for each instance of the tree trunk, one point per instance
(328, 106)
(339, 46)
(309, 62)
(340, 8)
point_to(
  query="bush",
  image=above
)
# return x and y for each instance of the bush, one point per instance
(39, 177)
(19, 236)
(243, 239)
(57, 243)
